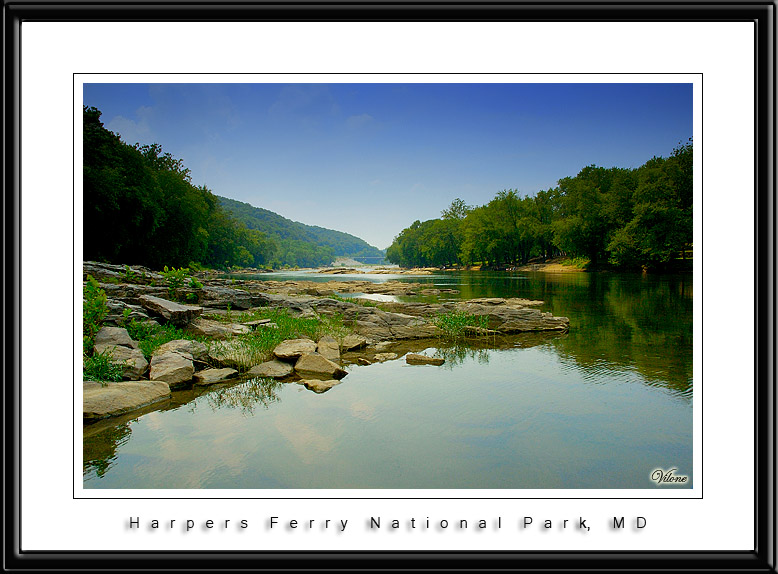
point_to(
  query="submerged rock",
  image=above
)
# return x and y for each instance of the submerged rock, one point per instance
(381, 357)
(414, 359)
(315, 365)
(111, 399)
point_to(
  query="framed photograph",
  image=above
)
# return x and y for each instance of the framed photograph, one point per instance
(359, 286)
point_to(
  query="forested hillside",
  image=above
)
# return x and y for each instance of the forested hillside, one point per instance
(141, 208)
(295, 239)
(627, 218)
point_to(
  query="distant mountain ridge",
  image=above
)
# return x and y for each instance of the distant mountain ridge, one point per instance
(288, 232)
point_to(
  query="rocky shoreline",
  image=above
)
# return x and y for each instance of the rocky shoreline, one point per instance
(392, 332)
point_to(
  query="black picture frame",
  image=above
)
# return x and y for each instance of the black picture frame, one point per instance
(762, 14)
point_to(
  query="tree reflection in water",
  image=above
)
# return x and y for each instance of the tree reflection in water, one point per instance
(244, 396)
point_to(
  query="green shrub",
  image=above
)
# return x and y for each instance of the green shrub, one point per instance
(95, 310)
(99, 367)
(175, 279)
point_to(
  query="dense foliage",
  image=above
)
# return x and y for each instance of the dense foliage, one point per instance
(300, 244)
(623, 217)
(141, 207)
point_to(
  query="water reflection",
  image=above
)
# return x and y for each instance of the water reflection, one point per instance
(245, 396)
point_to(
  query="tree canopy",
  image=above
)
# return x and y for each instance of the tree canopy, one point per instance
(627, 218)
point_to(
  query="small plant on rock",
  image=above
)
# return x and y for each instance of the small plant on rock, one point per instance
(175, 279)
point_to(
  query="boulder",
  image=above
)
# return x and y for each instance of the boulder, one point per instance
(319, 386)
(313, 364)
(114, 336)
(328, 348)
(175, 369)
(111, 399)
(172, 312)
(414, 359)
(215, 329)
(197, 349)
(381, 357)
(132, 360)
(212, 376)
(293, 349)
(274, 369)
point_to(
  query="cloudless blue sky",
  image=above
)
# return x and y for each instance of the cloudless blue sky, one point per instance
(369, 159)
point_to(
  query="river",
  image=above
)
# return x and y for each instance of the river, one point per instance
(601, 406)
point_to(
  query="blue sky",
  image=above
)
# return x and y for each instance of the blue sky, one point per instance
(369, 159)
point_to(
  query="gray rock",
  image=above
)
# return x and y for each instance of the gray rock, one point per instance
(274, 369)
(133, 362)
(293, 349)
(197, 349)
(114, 336)
(313, 364)
(175, 369)
(114, 399)
(215, 329)
(414, 359)
(328, 348)
(173, 312)
(224, 297)
(212, 376)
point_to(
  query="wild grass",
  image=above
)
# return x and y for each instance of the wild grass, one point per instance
(458, 324)
(98, 367)
(256, 347)
(150, 336)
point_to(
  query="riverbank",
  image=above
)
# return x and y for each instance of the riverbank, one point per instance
(156, 332)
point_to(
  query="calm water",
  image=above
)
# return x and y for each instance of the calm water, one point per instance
(598, 407)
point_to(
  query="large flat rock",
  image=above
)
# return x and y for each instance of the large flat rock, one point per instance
(170, 310)
(111, 399)
(293, 349)
(215, 329)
